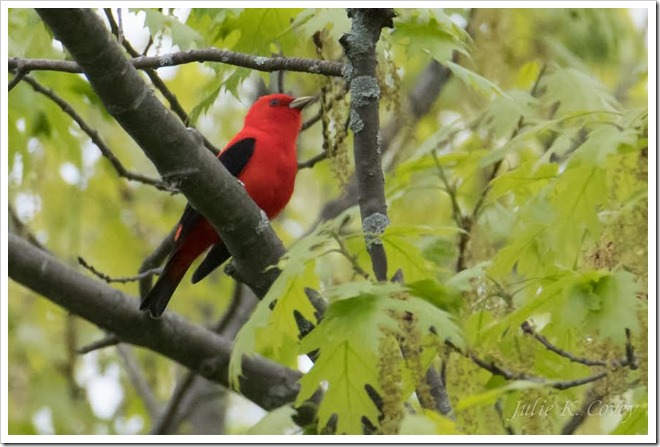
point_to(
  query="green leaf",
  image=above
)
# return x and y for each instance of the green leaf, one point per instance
(576, 91)
(551, 290)
(635, 421)
(348, 341)
(276, 422)
(335, 20)
(258, 28)
(603, 302)
(577, 196)
(439, 295)
(273, 332)
(488, 398)
(225, 80)
(436, 36)
(602, 141)
(400, 242)
(475, 81)
(523, 182)
(182, 35)
(428, 423)
(525, 248)
(503, 113)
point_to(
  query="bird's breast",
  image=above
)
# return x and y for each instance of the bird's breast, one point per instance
(270, 176)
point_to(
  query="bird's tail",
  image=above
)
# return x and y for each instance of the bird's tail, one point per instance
(160, 294)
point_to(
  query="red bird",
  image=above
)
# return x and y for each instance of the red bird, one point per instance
(263, 156)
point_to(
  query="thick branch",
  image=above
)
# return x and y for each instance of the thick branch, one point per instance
(260, 63)
(265, 383)
(177, 154)
(360, 47)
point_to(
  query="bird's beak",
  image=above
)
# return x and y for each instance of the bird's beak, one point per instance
(301, 103)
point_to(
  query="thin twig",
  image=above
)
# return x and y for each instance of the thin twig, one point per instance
(513, 375)
(564, 385)
(223, 324)
(148, 45)
(347, 254)
(528, 329)
(23, 230)
(451, 192)
(500, 413)
(139, 382)
(154, 260)
(164, 423)
(630, 360)
(312, 161)
(109, 340)
(120, 27)
(311, 121)
(110, 279)
(580, 415)
(96, 139)
(168, 421)
(469, 221)
(18, 77)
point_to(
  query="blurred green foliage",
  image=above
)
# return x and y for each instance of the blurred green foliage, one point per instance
(555, 98)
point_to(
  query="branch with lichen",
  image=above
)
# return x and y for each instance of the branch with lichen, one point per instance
(360, 48)
(259, 63)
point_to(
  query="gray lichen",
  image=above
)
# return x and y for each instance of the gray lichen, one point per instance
(364, 89)
(355, 122)
(347, 71)
(260, 60)
(373, 226)
(263, 222)
(165, 61)
(379, 143)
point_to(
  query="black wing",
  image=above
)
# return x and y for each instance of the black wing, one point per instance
(236, 156)
(234, 159)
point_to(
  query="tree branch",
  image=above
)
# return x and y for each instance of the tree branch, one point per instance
(154, 260)
(360, 48)
(19, 74)
(427, 87)
(235, 316)
(96, 138)
(175, 105)
(591, 396)
(176, 153)
(260, 63)
(110, 279)
(136, 376)
(265, 383)
(108, 340)
(514, 375)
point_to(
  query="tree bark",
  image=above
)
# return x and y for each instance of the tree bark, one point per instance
(265, 383)
(360, 48)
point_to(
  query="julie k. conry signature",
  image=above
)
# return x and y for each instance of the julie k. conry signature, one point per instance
(542, 408)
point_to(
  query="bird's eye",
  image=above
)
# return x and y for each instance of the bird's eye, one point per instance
(274, 103)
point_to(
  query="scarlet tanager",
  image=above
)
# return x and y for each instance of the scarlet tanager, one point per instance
(263, 157)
